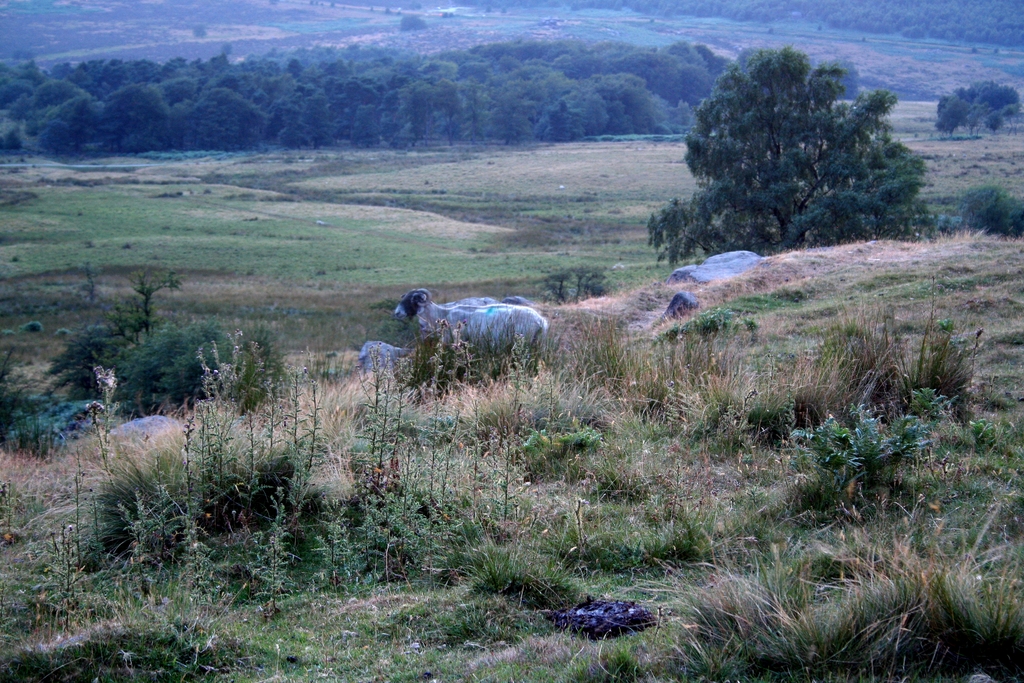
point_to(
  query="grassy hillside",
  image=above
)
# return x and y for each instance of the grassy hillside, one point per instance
(661, 472)
(416, 527)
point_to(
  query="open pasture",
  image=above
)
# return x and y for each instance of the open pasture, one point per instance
(317, 245)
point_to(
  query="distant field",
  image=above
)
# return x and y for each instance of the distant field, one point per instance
(56, 32)
(319, 246)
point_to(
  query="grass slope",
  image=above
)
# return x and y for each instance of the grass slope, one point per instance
(688, 508)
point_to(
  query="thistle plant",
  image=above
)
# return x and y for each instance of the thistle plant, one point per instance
(6, 513)
(273, 557)
(65, 574)
(101, 413)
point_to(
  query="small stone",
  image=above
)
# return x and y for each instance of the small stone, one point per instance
(681, 303)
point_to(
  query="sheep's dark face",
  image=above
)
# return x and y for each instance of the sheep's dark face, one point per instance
(412, 303)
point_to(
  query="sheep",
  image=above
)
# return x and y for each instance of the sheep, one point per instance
(494, 323)
(377, 355)
(474, 301)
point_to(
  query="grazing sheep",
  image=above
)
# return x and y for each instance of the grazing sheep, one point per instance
(495, 323)
(377, 355)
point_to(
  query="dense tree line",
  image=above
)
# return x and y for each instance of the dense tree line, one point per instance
(509, 92)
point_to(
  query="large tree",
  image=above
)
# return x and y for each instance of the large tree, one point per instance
(782, 163)
(135, 119)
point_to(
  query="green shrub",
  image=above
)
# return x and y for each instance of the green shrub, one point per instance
(87, 348)
(992, 209)
(412, 22)
(711, 322)
(141, 507)
(34, 326)
(574, 284)
(164, 370)
(258, 367)
(864, 455)
(12, 396)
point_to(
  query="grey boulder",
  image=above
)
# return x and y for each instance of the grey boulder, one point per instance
(379, 355)
(719, 267)
(145, 427)
(680, 304)
(517, 301)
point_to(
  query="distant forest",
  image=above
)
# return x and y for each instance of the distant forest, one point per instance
(998, 22)
(507, 92)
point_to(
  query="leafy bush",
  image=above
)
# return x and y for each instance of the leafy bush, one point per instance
(992, 209)
(864, 455)
(34, 326)
(575, 284)
(88, 348)
(707, 323)
(12, 398)
(769, 125)
(412, 22)
(164, 370)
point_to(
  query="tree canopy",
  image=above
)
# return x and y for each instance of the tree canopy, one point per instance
(508, 92)
(984, 102)
(781, 163)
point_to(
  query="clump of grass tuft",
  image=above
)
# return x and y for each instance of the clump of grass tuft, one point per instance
(444, 360)
(877, 367)
(908, 616)
(141, 506)
(157, 652)
(617, 662)
(546, 454)
(521, 576)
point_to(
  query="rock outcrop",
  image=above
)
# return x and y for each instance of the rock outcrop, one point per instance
(720, 267)
(146, 427)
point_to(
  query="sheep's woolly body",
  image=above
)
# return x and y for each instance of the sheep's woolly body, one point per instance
(494, 323)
